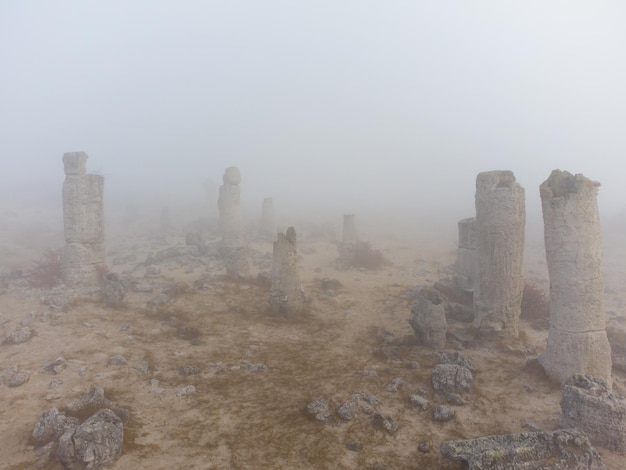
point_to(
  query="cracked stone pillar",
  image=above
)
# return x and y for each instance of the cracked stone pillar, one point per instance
(233, 249)
(286, 294)
(465, 266)
(267, 227)
(499, 282)
(83, 221)
(349, 233)
(577, 339)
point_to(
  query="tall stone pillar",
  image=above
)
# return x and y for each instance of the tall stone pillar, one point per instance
(499, 283)
(83, 221)
(465, 266)
(286, 294)
(233, 249)
(267, 228)
(577, 339)
(349, 233)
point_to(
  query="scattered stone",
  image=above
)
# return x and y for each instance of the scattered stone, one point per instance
(419, 401)
(53, 367)
(451, 378)
(577, 338)
(457, 358)
(117, 360)
(385, 422)
(189, 370)
(186, 391)
(54, 383)
(589, 404)
(320, 410)
(423, 448)
(257, 367)
(19, 336)
(443, 413)
(155, 388)
(347, 410)
(17, 379)
(456, 399)
(94, 443)
(51, 425)
(395, 385)
(559, 450)
(531, 427)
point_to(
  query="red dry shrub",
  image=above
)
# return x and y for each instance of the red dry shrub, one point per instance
(47, 271)
(361, 254)
(535, 306)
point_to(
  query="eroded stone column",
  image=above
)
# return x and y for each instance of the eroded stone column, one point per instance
(286, 295)
(465, 267)
(499, 283)
(349, 233)
(83, 220)
(577, 339)
(267, 228)
(233, 249)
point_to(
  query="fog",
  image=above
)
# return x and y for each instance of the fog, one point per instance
(355, 106)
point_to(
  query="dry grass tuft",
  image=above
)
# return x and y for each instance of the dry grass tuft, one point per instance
(361, 254)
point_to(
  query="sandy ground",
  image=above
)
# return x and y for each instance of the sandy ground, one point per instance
(257, 371)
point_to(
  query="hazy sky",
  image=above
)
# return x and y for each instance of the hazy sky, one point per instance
(345, 104)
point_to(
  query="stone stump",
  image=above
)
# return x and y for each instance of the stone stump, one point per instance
(83, 221)
(428, 318)
(267, 227)
(499, 283)
(577, 338)
(286, 294)
(233, 248)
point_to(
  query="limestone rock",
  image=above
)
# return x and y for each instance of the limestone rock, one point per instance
(499, 283)
(556, 450)
(589, 405)
(286, 295)
(428, 318)
(451, 378)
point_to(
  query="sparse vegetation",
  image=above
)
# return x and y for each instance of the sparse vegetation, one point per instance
(47, 272)
(361, 254)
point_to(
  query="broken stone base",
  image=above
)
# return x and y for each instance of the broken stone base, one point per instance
(562, 449)
(589, 405)
(568, 353)
(428, 318)
(236, 260)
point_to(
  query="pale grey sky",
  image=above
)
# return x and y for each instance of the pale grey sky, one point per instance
(346, 104)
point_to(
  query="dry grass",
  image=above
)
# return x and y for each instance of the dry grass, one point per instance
(535, 306)
(47, 272)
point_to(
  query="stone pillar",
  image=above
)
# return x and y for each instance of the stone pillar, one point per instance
(499, 283)
(349, 233)
(577, 339)
(465, 267)
(233, 249)
(286, 295)
(267, 228)
(83, 220)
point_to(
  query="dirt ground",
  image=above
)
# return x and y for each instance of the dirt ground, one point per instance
(255, 372)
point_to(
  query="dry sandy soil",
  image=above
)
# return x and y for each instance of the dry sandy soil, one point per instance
(258, 371)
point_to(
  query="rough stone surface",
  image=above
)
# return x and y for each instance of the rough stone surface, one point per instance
(617, 340)
(286, 295)
(428, 318)
(577, 340)
(94, 443)
(51, 425)
(233, 249)
(589, 405)
(451, 378)
(499, 283)
(557, 450)
(443, 413)
(19, 336)
(83, 221)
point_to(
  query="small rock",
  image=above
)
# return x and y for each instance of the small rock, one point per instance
(319, 408)
(423, 448)
(419, 401)
(456, 399)
(347, 410)
(395, 385)
(19, 378)
(53, 367)
(189, 370)
(154, 387)
(117, 360)
(19, 336)
(385, 422)
(186, 391)
(443, 413)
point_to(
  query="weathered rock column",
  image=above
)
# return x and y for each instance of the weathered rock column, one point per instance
(267, 227)
(233, 249)
(465, 267)
(577, 339)
(349, 233)
(499, 282)
(83, 220)
(286, 295)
